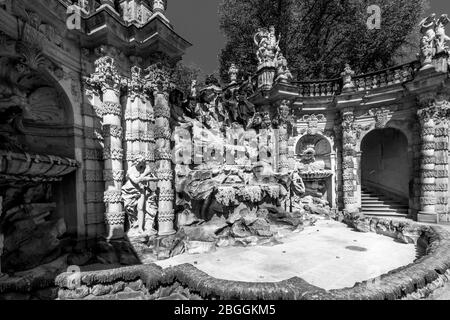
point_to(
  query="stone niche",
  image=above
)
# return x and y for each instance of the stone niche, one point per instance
(37, 180)
(313, 160)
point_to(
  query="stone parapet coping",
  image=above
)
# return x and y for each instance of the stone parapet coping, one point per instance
(413, 281)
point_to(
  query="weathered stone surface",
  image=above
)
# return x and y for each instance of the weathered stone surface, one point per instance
(284, 217)
(106, 253)
(117, 287)
(240, 230)
(260, 227)
(171, 245)
(80, 259)
(319, 210)
(101, 290)
(135, 285)
(199, 247)
(206, 231)
(78, 293)
(23, 252)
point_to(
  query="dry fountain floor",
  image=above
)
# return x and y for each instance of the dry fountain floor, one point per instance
(328, 255)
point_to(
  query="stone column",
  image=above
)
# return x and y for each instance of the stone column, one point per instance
(108, 79)
(427, 211)
(283, 137)
(158, 79)
(349, 176)
(139, 121)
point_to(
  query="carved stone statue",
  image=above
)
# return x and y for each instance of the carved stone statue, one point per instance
(441, 37)
(158, 5)
(309, 162)
(139, 198)
(427, 49)
(297, 191)
(283, 72)
(347, 76)
(268, 45)
(233, 73)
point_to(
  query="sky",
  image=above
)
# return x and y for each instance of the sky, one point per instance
(198, 22)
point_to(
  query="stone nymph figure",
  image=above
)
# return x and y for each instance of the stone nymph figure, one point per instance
(433, 37)
(427, 50)
(268, 45)
(140, 198)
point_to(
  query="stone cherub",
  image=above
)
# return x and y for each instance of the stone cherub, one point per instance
(140, 198)
(347, 76)
(427, 49)
(441, 37)
(283, 72)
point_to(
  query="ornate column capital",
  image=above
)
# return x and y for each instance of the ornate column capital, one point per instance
(348, 120)
(106, 75)
(158, 78)
(135, 84)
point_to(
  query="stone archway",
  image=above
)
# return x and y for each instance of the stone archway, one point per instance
(386, 172)
(37, 179)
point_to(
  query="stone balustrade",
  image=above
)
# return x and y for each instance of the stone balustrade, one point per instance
(387, 77)
(319, 88)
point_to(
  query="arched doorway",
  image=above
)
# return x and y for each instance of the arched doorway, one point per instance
(386, 171)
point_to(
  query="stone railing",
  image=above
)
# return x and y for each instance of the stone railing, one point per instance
(387, 77)
(324, 88)
(384, 78)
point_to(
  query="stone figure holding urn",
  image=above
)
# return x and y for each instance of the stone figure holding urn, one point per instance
(139, 195)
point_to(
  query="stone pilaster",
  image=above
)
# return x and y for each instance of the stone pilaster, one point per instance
(349, 175)
(416, 192)
(108, 80)
(427, 200)
(441, 168)
(158, 79)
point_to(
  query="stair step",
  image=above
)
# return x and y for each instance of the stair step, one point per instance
(375, 198)
(374, 204)
(384, 210)
(385, 214)
(385, 205)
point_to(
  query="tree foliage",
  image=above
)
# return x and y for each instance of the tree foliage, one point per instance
(319, 36)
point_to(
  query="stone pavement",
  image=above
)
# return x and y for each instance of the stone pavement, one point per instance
(328, 255)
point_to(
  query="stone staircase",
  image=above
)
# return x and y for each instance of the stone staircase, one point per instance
(375, 204)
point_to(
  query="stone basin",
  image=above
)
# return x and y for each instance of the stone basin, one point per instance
(329, 255)
(35, 165)
(316, 175)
